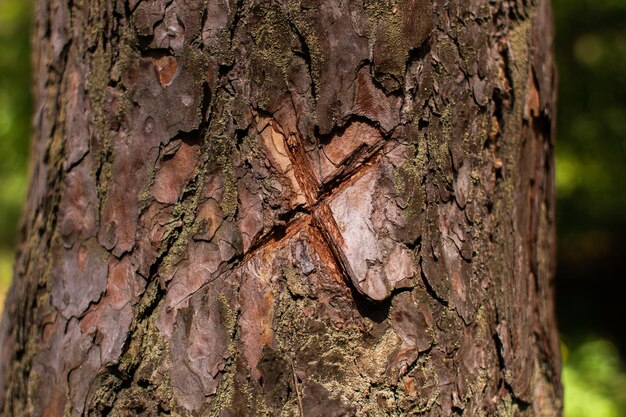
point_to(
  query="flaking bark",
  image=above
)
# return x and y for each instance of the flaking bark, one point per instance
(287, 207)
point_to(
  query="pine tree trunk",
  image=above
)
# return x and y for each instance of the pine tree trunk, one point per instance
(287, 208)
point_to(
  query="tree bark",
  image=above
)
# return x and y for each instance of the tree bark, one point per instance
(287, 208)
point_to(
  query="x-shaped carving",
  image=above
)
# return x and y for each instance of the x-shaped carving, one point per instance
(340, 189)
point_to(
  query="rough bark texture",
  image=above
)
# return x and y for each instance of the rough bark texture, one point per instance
(287, 207)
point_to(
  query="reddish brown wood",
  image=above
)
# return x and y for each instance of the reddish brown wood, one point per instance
(244, 208)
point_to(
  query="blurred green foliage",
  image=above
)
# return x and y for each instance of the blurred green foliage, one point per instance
(591, 133)
(594, 381)
(591, 168)
(591, 187)
(15, 116)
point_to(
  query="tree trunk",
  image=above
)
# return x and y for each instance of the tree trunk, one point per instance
(287, 208)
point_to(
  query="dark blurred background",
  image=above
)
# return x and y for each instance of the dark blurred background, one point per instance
(591, 186)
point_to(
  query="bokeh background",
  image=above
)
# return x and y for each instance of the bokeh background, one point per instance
(591, 187)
